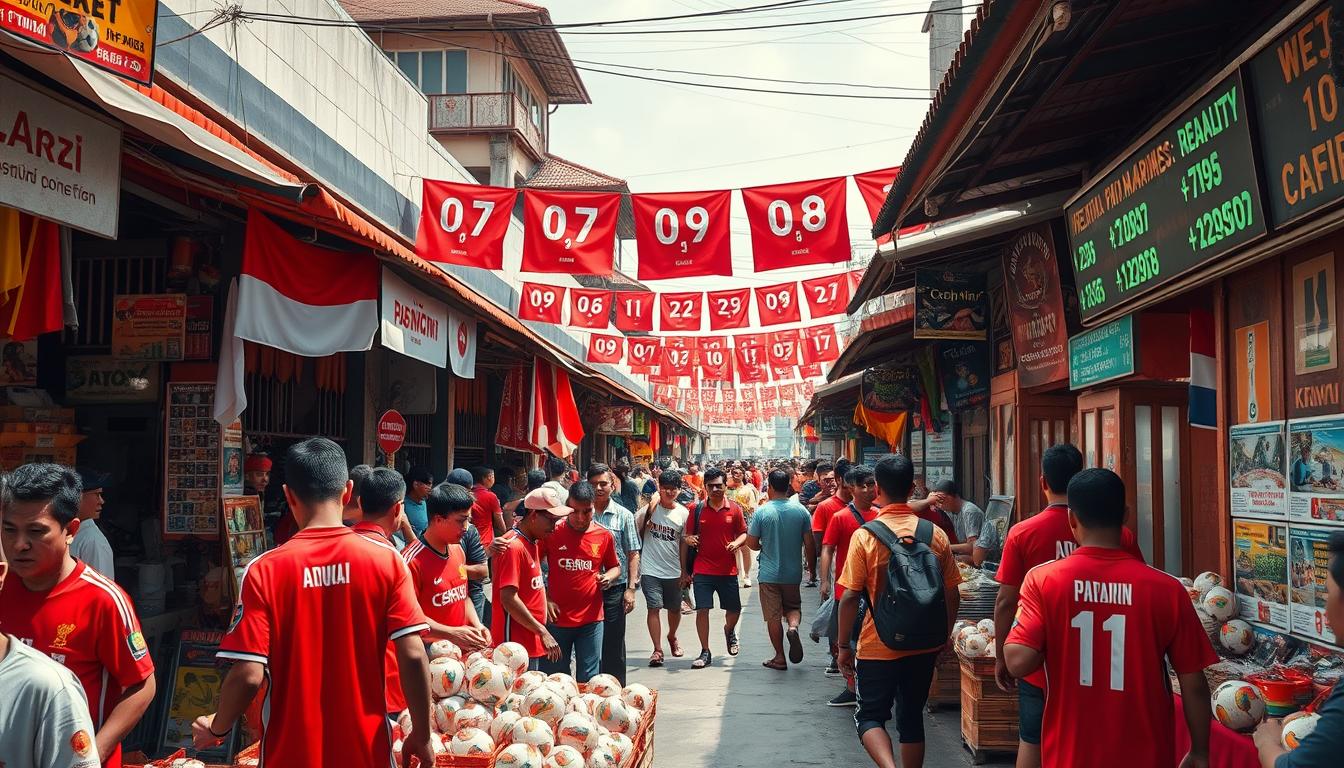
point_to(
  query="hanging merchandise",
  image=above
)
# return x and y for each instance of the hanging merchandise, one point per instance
(464, 224)
(569, 232)
(729, 309)
(680, 312)
(553, 419)
(826, 296)
(778, 304)
(512, 432)
(606, 349)
(541, 303)
(589, 308)
(634, 310)
(798, 224)
(682, 234)
(886, 396)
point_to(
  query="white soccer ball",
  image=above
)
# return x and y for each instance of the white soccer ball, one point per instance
(511, 655)
(578, 704)
(519, 755)
(619, 744)
(1238, 705)
(966, 632)
(471, 741)
(545, 704)
(533, 732)
(1297, 727)
(612, 714)
(471, 715)
(191, 762)
(404, 721)
(445, 677)
(578, 730)
(986, 627)
(1236, 636)
(974, 645)
(512, 703)
(604, 685)
(1206, 581)
(489, 683)
(475, 657)
(602, 758)
(1220, 603)
(502, 726)
(528, 682)
(637, 696)
(439, 743)
(564, 683)
(444, 649)
(564, 756)
(440, 715)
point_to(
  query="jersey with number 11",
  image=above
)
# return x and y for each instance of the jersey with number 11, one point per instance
(1105, 621)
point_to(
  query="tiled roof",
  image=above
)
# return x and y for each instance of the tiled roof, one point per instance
(441, 10)
(559, 173)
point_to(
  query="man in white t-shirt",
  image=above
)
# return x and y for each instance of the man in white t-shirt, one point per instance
(662, 569)
(90, 545)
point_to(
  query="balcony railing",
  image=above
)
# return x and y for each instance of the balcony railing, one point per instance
(480, 112)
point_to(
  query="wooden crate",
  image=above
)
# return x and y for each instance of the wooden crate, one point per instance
(988, 715)
(946, 688)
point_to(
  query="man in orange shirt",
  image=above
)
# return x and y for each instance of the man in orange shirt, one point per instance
(886, 675)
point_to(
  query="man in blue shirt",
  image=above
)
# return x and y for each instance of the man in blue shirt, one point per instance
(780, 529)
(619, 598)
(1323, 746)
(419, 482)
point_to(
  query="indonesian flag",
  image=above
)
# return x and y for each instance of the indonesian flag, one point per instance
(553, 421)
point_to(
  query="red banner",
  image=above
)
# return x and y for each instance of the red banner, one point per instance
(750, 364)
(826, 296)
(513, 408)
(776, 304)
(810, 371)
(605, 349)
(644, 351)
(589, 308)
(783, 352)
(820, 345)
(729, 309)
(751, 340)
(676, 361)
(712, 342)
(682, 234)
(464, 224)
(541, 303)
(874, 186)
(680, 312)
(793, 225)
(634, 310)
(569, 232)
(716, 364)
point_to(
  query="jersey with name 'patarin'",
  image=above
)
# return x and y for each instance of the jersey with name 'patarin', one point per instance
(298, 604)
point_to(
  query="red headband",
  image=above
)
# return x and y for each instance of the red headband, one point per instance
(257, 463)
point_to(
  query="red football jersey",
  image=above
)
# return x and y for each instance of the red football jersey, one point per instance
(292, 598)
(821, 516)
(839, 531)
(716, 528)
(573, 562)
(483, 513)
(440, 582)
(1105, 621)
(87, 624)
(519, 566)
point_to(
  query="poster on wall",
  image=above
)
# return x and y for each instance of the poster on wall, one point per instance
(149, 326)
(231, 459)
(18, 363)
(917, 448)
(1250, 352)
(1260, 555)
(951, 305)
(616, 420)
(1308, 569)
(191, 471)
(1313, 290)
(964, 366)
(194, 688)
(937, 457)
(1316, 469)
(1256, 464)
(1040, 334)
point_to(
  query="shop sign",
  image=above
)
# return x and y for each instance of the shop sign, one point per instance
(1315, 347)
(105, 379)
(413, 323)
(616, 420)
(1316, 469)
(1308, 570)
(1102, 354)
(1250, 353)
(56, 161)
(149, 326)
(1257, 467)
(200, 317)
(391, 432)
(950, 305)
(1260, 559)
(964, 366)
(1182, 199)
(1036, 308)
(835, 424)
(231, 459)
(116, 36)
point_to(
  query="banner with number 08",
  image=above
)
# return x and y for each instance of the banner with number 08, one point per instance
(793, 225)
(682, 234)
(569, 232)
(541, 303)
(464, 224)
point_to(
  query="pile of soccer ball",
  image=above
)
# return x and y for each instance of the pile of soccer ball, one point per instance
(974, 639)
(1240, 705)
(489, 703)
(1217, 609)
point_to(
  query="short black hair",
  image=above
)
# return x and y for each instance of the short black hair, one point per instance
(535, 479)
(53, 483)
(948, 487)
(1059, 464)
(894, 475)
(779, 480)
(419, 473)
(1097, 498)
(597, 469)
(670, 478)
(556, 467)
(315, 470)
(811, 465)
(582, 491)
(714, 473)
(1337, 558)
(478, 474)
(858, 474)
(447, 498)
(381, 491)
(824, 466)
(842, 467)
(664, 463)
(358, 474)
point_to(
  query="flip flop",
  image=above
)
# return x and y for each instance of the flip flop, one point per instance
(731, 638)
(702, 660)
(795, 646)
(772, 664)
(675, 645)
(656, 660)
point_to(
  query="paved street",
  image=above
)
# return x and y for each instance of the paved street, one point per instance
(737, 714)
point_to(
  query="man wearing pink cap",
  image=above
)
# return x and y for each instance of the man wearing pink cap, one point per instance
(519, 608)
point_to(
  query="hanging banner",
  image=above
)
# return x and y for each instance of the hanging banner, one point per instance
(644, 351)
(810, 371)
(778, 304)
(716, 364)
(1308, 571)
(1256, 464)
(1260, 556)
(682, 234)
(1036, 308)
(950, 305)
(798, 224)
(541, 303)
(783, 351)
(513, 412)
(461, 345)
(464, 224)
(729, 309)
(1316, 469)
(634, 310)
(676, 361)
(750, 363)
(680, 311)
(605, 349)
(874, 186)
(413, 323)
(114, 36)
(589, 308)
(820, 345)
(964, 366)
(826, 296)
(569, 232)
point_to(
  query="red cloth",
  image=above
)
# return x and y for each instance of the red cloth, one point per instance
(1227, 748)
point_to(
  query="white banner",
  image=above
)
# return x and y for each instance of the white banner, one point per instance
(412, 323)
(58, 162)
(462, 330)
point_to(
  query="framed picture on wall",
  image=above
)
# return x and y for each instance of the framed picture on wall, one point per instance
(1314, 323)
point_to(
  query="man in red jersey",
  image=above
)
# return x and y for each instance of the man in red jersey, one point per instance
(313, 616)
(824, 509)
(488, 516)
(716, 530)
(1103, 626)
(581, 559)
(69, 611)
(860, 488)
(1036, 540)
(519, 609)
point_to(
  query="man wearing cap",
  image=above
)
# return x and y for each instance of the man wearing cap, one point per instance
(519, 610)
(90, 545)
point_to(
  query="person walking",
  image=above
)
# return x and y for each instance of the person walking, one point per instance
(715, 531)
(781, 530)
(90, 545)
(478, 557)
(618, 600)
(519, 590)
(833, 496)
(486, 514)
(860, 489)
(894, 670)
(627, 488)
(748, 497)
(419, 482)
(661, 527)
(581, 561)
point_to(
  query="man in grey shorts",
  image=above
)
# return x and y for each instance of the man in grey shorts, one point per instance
(661, 528)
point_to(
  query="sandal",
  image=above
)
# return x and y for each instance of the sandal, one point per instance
(656, 660)
(731, 638)
(675, 645)
(702, 660)
(795, 646)
(772, 664)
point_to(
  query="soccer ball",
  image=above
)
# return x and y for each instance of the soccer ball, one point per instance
(528, 682)
(545, 704)
(1297, 727)
(445, 677)
(1238, 705)
(986, 627)
(605, 685)
(444, 649)
(189, 762)
(1220, 603)
(577, 730)
(440, 715)
(619, 745)
(471, 741)
(975, 645)
(602, 758)
(471, 715)
(1195, 595)
(404, 721)
(611, 713)
(489, 683)
(512, 703)
(439, 743)
(564, 757)
(1236, 636)
(966, 632)
(533, 732)
(578, 704)
(637, 696)
(1206, 581)
(565, 684)
(519, 755)
(474, 657)
(502, 726)
(511, 655)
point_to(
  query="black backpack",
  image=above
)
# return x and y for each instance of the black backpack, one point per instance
(910, 612)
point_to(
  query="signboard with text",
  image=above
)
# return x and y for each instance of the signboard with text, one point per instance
(117, 36)
(413, 323)
(1102, 354)
(149, 326)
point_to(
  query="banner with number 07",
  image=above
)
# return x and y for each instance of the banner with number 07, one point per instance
(464, 224)
(793, 225)
(569, 232)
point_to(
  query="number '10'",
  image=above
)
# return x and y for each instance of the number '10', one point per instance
(1327, 100)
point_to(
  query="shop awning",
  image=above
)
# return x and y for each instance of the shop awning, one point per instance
(837, 393)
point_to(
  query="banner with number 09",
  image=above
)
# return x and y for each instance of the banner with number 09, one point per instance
(541, 303)
(793, 225)
(682, 234)
(464, 224)
(776, 304)
(605, 349)
(569, 232)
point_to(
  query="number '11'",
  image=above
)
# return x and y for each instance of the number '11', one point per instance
(1085, 624)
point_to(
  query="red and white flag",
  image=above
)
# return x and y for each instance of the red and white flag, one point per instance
(541, 303)
(682, 234)
(820, 345)
(464, 223)
(680, 312)
(512, 431)
(778, 304)
(716, 364)
(462, 344)
(644, 351)
(589, 308)
(634, 310)
(729, 309)
(826, 296)
(569, 232)
(605, 349)
(794, 225)
(553, 420)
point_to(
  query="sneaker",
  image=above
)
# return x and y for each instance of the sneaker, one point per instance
(832, 671)
(845, 698)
